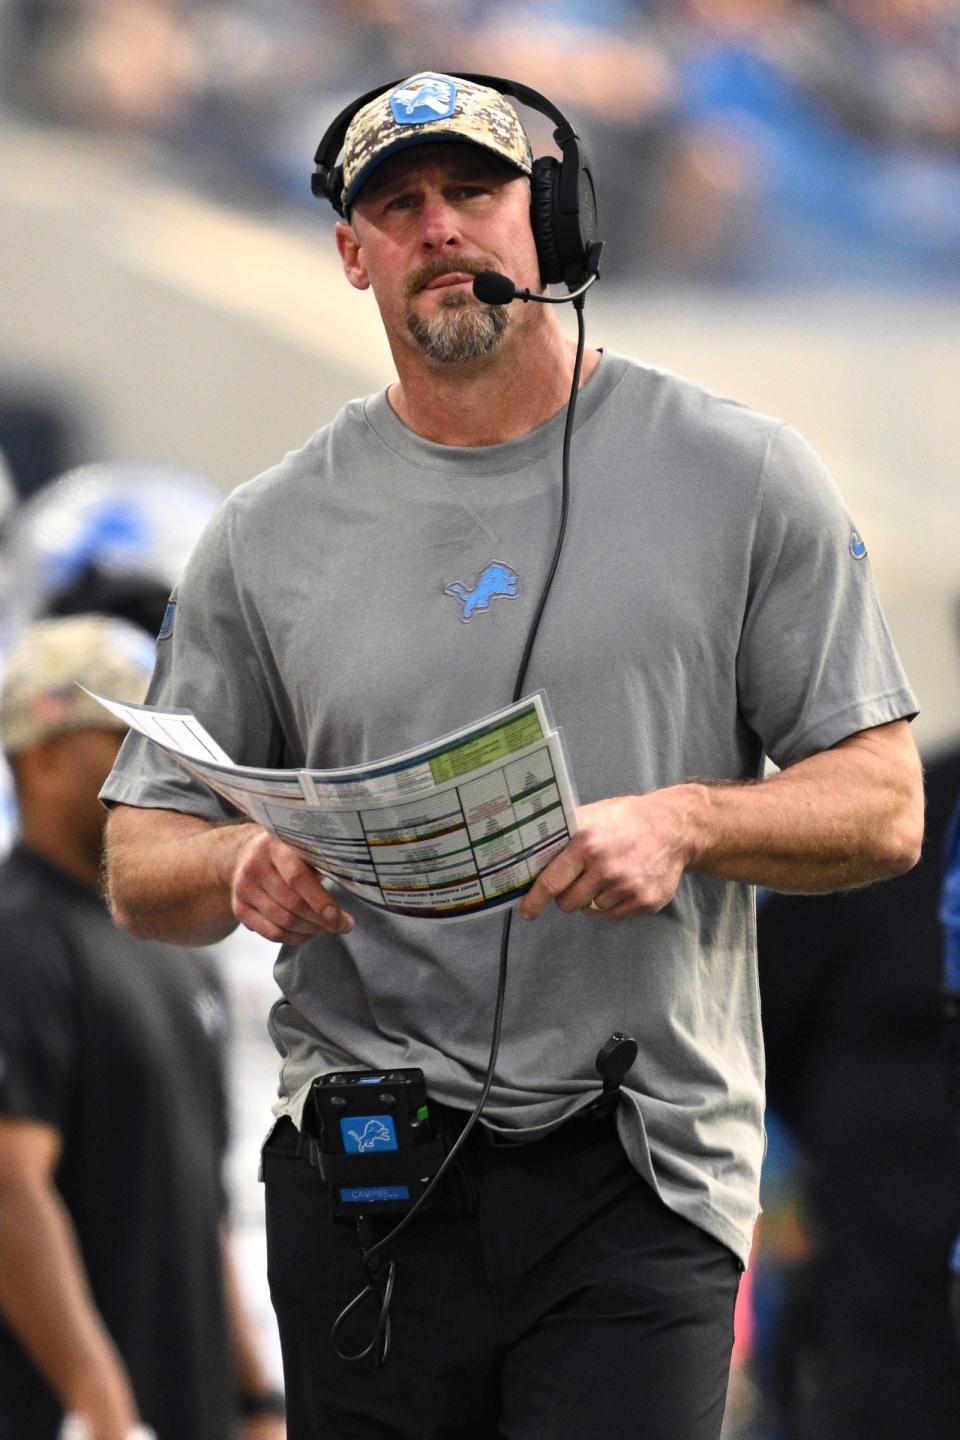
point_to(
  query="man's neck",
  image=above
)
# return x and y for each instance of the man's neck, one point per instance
(497, 397)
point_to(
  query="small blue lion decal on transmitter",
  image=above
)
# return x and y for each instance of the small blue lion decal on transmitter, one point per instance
(496, 579)
(375, 1135)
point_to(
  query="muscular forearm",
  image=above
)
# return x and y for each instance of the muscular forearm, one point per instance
(47, 1304)
(169, 875)
(175, 877)
(842, 818)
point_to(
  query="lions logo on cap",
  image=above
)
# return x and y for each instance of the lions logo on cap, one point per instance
(428, 97)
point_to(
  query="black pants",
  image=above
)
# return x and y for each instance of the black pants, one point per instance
(572, 1305)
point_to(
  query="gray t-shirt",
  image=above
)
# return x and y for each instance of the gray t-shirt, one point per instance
(712, 605)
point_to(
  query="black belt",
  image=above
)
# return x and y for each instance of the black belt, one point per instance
(596, 1117)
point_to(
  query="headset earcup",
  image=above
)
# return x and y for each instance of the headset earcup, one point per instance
(564, 232)
(543, 184)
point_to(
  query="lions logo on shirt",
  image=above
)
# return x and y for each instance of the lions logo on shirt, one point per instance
(166, 624)
(429, 97)
(496, 579)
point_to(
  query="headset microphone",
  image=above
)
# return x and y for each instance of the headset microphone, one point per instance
(492, 288)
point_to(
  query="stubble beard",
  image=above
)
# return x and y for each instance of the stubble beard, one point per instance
(462, 328)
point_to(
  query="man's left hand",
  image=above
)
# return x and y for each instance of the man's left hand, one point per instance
(627, 858)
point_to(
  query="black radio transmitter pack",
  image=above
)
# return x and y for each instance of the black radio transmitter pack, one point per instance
(369, 1134)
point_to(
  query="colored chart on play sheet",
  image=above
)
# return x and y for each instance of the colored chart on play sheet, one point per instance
(445, 831)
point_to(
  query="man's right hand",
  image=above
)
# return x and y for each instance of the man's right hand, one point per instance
(188, 881)
(278, 895)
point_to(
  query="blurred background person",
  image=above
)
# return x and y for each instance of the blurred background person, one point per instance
(851, 1002)
(112, 538)
(109, 538)
(115, 1290)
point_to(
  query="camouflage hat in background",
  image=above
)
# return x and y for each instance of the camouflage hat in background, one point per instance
(426, 108)
(40, 695)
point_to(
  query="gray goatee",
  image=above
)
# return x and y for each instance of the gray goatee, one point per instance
(460, 330)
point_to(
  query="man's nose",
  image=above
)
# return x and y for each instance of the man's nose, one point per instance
(440, 224)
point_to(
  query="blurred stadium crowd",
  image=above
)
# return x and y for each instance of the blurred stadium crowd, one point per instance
(735, 141)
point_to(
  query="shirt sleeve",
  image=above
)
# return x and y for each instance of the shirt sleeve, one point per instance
(816, 661)
(38, 1023)
(209, 660)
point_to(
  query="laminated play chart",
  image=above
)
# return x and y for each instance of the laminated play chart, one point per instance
(451, 829)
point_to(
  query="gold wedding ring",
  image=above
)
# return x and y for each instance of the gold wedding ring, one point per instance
(594, 906)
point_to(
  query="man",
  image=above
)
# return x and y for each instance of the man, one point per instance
(711, 603)
(114, 1305)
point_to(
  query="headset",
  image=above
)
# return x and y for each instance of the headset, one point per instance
(563, 203)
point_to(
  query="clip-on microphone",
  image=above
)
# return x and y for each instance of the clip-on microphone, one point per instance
(614, 1059)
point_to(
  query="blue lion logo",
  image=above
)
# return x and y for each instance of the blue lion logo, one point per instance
(496, 579)
(426, 98)
(373, 1135)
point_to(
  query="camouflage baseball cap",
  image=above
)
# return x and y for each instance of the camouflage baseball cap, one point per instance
(426, 108)
(41, 696)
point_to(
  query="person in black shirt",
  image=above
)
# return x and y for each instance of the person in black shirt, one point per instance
(115, 1306)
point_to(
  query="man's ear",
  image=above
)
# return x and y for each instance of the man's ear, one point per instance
(351, 255)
